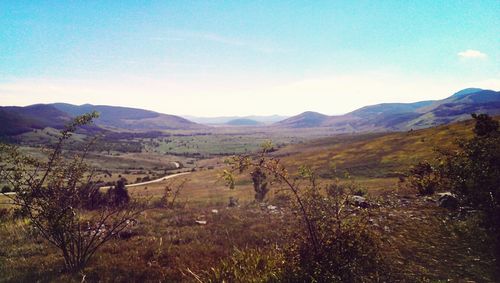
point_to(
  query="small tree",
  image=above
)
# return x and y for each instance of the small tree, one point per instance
(118, 195)
(259, 180)
(424, 178)
(56, 197)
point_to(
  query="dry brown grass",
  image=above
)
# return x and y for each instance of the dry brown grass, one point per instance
(421, 239)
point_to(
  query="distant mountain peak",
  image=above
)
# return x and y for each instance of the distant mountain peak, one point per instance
(465, 92)
(304, 120)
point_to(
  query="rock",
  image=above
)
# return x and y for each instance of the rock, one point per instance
(201, 222)
(429, 199)
(233, 202)
(215, 211)
(272, 207)
(448, 200)
(359, 201)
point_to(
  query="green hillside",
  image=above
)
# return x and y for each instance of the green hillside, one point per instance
(375, 155)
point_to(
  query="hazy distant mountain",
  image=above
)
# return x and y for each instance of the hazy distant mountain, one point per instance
(403, 116)
(225, 119)
(243, 122)
(380, 117)
(114, 117)
(17, 120)
(307, 119)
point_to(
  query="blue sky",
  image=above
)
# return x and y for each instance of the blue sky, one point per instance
(245, 57)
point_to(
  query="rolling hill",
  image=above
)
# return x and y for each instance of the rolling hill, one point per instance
(374, 155)
(17, 120)
(403, 116)
(118, 118)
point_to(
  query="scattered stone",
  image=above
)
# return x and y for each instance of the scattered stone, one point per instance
(360, 201)
(272, 207)
(448, 200)
(201, 222)
(233, 202)
(429, 199)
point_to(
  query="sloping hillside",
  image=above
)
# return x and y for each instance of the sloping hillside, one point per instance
(17, 120)
(375, 155)
(114, 117)
(403, 116)
(307, 119)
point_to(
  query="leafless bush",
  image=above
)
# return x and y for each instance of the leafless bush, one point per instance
(57, 197)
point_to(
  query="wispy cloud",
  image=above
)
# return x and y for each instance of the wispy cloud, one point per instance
(472, 54)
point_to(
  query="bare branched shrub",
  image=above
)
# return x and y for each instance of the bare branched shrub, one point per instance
(334, 242)
(58, 197)
(424, 178)
(171, 192)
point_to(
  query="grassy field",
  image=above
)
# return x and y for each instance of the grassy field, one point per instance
(374, 155)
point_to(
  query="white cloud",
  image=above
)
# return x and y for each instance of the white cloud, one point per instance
(472, 54)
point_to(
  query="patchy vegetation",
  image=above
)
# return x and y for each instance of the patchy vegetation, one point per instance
(297, 218)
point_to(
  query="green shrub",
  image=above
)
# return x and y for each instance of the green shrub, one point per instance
(473, 174)
(332, 241)
(424, 178)
(344, 248)
(248, 265)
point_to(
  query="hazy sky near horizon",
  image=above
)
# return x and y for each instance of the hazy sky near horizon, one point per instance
(216, 58)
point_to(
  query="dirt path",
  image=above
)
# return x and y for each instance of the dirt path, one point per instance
(132, 185)
(152, 181)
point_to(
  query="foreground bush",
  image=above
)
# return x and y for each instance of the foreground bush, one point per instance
(471, 173)
(55, 197)
(331, 241)
(346, 248)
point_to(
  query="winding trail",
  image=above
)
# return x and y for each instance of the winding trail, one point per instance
(132, 185)
(152, 181)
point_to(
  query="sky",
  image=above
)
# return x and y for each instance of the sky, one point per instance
(219, 58)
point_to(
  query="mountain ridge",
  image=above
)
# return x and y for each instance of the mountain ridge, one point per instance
(374, 118)
(403, 116)
(17, 119)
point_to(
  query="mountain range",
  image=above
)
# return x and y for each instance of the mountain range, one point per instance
(381, 117)
(403, 116)
(17, 120)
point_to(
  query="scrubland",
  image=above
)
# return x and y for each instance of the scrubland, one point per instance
(421, 241)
